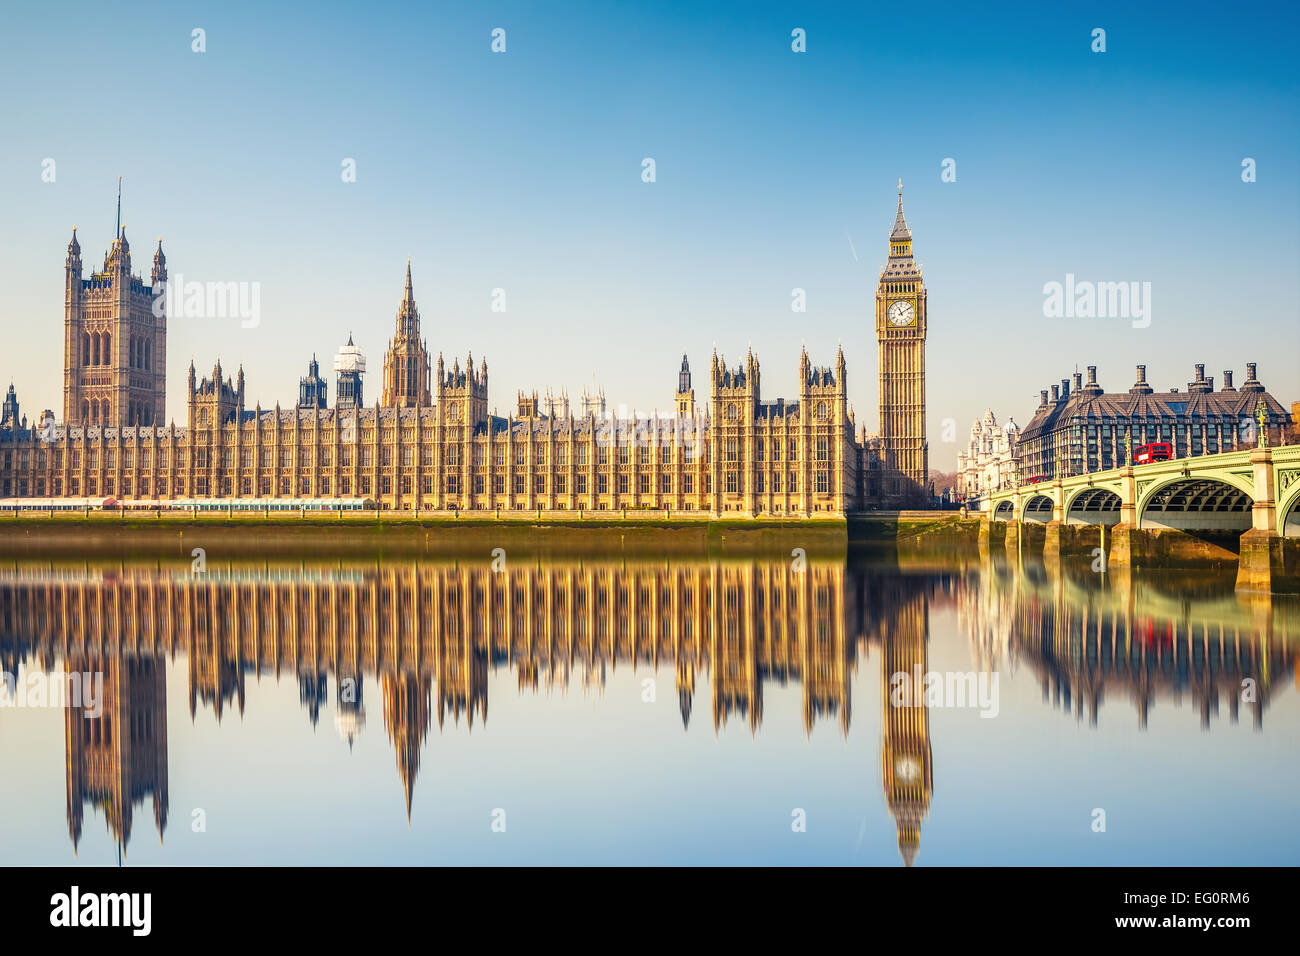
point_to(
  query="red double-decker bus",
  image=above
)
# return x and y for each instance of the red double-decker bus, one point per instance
(1156, 451)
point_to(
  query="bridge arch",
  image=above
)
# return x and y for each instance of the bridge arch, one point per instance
(1196, 503)
(1288, 510)
(1005, 511)
(1037, 508)
(1093, 505)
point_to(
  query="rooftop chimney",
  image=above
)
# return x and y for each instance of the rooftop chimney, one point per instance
(1140, 387)
(1078, 381)
(1251, 384)
(1200, 383)
(1056, 393)
(1065, 388)
(1092, 375)
(1227, 380)
(1042, 398)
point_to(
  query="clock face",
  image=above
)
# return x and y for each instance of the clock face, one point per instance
(901, 313)
(907, 769)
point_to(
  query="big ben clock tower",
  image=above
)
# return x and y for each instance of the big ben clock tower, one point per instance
(900, 335)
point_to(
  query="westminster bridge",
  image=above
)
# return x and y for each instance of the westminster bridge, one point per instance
(1153, 512)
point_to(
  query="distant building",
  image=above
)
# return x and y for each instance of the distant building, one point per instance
(349, 368)
(991, 459)
(1082, 430)
(556, 406)
(312, 388)
(9, 419)
(593, 403)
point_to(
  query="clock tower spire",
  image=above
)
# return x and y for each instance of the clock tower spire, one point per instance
(901, 323)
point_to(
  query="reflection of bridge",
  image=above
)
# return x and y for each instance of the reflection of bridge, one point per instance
(1256, 492)
(1086, 637)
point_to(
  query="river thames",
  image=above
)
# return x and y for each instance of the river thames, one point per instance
(645, 710)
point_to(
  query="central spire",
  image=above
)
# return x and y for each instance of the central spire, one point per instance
(406, 366)
(901, 232)
(408, 316)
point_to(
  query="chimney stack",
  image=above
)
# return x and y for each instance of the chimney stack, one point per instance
(1065, 388)
(1092, 375)
(1200, 383)
(1042, 398)
(1140, 387)
(1056, 393)
(1252, 384)
(1227, 380)
(1078, 381)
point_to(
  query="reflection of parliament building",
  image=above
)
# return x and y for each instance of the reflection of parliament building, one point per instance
(431, 634)
(430, 443)
(428, 637)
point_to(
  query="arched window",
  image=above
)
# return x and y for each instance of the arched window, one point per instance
(95, 349)
(731, 413)
(85, 411)
(821, 411)
(85, 348)
(108, 348)
(105, 416)
(148, 354)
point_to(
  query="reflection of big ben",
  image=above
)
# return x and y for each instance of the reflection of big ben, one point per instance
(116, 753)
(900, 335)
(906, 770)
(406, 717)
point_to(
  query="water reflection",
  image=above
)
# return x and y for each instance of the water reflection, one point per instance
(429, 636)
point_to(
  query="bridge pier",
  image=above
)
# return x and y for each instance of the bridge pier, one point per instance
(1012, 536)
(1127, 549)
(1124, 537)
(1052, 540)
(1266, 561)
(991, 532)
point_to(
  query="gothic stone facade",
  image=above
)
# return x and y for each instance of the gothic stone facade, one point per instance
(430, 443)
(114, 345)
(748, 457)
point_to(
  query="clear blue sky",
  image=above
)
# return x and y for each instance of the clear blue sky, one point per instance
(522, 171)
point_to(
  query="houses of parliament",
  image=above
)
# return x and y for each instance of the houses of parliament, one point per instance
(429, 443)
